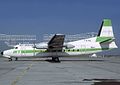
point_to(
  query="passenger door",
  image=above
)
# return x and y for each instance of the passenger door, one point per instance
(83, 49)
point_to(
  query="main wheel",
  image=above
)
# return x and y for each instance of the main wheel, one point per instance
(55, 59)
(16, 59)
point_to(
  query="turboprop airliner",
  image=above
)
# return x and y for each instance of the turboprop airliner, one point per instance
(56, 47)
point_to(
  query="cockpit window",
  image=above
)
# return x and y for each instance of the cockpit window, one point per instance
(16, 47)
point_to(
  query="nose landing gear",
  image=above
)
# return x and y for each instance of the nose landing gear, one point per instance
(10, 59)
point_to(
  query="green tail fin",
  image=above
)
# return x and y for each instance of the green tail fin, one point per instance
(105, 33)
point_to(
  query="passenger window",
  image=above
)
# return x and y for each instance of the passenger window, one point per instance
(77, 49)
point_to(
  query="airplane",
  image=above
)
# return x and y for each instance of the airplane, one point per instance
(56, 47)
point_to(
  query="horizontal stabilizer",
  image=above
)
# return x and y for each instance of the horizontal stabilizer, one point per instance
(104, 39)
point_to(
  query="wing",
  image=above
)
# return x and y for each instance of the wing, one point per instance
(56, 43)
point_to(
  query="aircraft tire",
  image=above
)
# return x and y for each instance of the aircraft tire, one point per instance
(10, 59)
(55, 59)
(16, 59)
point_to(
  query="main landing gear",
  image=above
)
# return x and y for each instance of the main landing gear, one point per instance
(16, 59)
(56, 59)
(10, 59)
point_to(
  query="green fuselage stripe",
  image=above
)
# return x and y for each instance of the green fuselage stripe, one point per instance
(64, 50)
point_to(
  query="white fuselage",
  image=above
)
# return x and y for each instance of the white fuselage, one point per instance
(85, 46)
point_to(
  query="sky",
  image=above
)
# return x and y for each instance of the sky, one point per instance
(57, 16)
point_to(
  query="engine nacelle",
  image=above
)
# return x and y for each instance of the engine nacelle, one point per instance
(45, 46)
(68, 46)
(41, 46)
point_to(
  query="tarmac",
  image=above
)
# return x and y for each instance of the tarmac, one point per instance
(70, 71)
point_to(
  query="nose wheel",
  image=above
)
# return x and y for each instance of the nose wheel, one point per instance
(10, 59)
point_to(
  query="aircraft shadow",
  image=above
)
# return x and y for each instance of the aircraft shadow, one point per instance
(61, 60)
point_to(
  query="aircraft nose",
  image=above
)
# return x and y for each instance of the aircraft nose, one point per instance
(2, 53)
